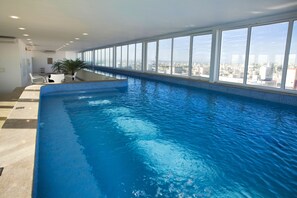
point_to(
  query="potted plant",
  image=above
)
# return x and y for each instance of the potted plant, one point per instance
(57, 66)
(71, 66)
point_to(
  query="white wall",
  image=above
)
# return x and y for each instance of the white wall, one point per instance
(70, 55)
(40, 59)
(14, 67)
(26, 63)
(16, 63)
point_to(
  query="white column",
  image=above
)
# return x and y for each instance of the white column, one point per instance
(247, 54)
(287, 53)
(190, 56)
(215, 56)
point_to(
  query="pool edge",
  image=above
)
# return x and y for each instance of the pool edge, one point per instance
(19, 136)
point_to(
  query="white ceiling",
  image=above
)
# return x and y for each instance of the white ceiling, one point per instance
(52, 23)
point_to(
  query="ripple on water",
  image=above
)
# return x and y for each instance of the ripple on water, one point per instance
(99, 102)
(136, 127)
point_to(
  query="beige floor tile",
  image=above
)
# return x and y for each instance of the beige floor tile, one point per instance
(25, 110)
(34, 87)
(17, 151)
(1, 123)
(7, 103)
(30, 95)
(4, 112)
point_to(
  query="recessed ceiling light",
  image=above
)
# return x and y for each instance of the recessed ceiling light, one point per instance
(190, 26)
(76, 38)
(21, 28)
(67, 43)
(70, 41)
(14, 17)
(28, 39)
(25, 34)
(256, 12)
(85, 34)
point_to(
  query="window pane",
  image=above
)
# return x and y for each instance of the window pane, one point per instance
(111, 56)
(267, 54)
(79, 56)
(164, 62)
(100, 58)
(107, 57)
(201, 55)
(151, 56)
(88, 57)
(138, 56)
(181, 48)
(84, 56)
(124, 56)
(96, 57)
(131, 60)
(291, 80)
(232, 59)
(103, 57)
(119, 57)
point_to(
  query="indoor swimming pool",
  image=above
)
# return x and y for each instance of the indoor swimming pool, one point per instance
(155, 139)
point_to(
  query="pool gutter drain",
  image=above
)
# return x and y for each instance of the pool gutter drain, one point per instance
(20, 108)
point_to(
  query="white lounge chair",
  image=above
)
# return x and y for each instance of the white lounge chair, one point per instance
(71, 77)
(57, 78)
(37, 79)
(74, 76)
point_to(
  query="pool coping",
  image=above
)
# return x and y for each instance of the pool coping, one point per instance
(18, 135)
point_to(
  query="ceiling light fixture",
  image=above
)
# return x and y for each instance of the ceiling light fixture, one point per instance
(85, 34)
(14, 17)
(70, 41)
(76, 38)
(256, 12)
(25, 34)
(22, 28)
(28, 39)
(67, 43)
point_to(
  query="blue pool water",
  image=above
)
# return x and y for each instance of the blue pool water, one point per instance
(161, 140)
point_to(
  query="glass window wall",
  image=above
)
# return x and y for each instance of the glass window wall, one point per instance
(131, 59)
(124, 56)
(267, 51)
(151, 56)
(201, 55)
(264, 66)
(119, 57)
(232, 60)
(164, 62)
(181, 51)
(107, 57)
(138, 56)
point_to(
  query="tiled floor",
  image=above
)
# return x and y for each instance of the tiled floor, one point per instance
(17, 141)
(7, 102)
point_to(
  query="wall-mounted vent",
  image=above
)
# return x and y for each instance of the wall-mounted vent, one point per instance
(49, 51)
(7, 39)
